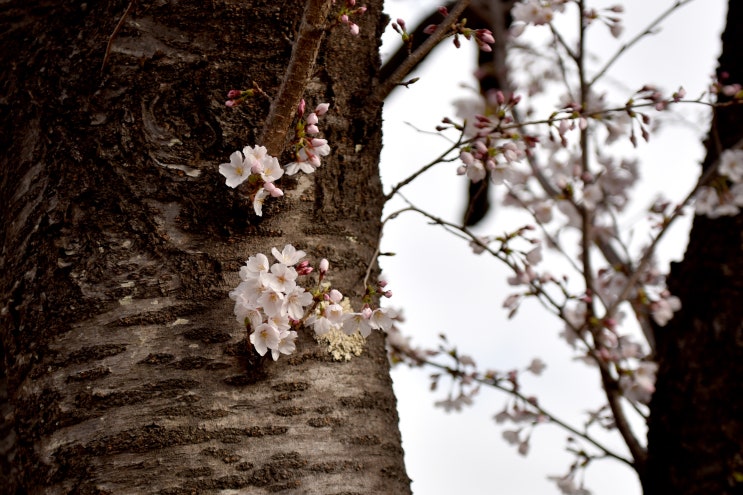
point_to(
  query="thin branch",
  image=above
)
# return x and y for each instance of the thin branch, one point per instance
(550, 238)
(377, 250)
(546, 299)
(543, 412)
(298, 73)
(537, 289)
(386, 87)
(647, 31)
(435, 161)
(645, 260)
(608, 381)
(561, 41)
(115, 32)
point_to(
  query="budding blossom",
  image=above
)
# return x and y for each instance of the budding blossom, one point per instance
(308, 149)
(483, 37)
(237, 96)
(270, 301)
(346, 12)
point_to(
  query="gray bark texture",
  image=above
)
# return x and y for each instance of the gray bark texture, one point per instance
(124, 370)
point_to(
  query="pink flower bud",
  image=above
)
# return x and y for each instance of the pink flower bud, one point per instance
(313, 160)
(271, 189)
(322, 108)
(234, 93)
(301, 106)
(303, 268)
(344, 19)
(401, 23)
(354, 29)
(311, 118)
(443, 11)
(485, 35)
(231, 103)
(324, 266)
(335, 296)
(467, 157)
(311, 129)
(430, 28)
(361, 10)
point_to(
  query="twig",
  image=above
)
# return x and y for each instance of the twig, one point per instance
(299, 71)
(439, 159)
(377, 250)
(384, 89)
(539, 409)
(113, 35)
(648, 30)
(637, 272)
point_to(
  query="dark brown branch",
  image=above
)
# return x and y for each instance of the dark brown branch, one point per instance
(113, 35)
(443, 29)
(300, 68)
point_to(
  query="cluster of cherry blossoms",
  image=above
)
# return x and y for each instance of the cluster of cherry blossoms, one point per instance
(724, 197)
(535, 12)
(255, 165)
(308, 149)
(261, 170)
(541, 12)
(272, 305)
(490, 151)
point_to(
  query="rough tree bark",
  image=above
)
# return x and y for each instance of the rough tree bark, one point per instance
(123, 368)
(695, 435)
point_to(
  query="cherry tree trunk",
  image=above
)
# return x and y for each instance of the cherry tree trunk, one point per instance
(695, 438)
(124, 370)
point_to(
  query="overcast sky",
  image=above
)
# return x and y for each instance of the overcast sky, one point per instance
(443, 287)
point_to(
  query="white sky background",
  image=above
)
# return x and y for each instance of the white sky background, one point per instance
(443, 287)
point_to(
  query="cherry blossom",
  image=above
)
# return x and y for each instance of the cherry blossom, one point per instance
(731, 165)
(265, 337)
(639, 385)
(535, 11)
(236, 171)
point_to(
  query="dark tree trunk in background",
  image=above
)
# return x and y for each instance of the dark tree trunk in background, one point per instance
(123, 368)
(695, 438)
